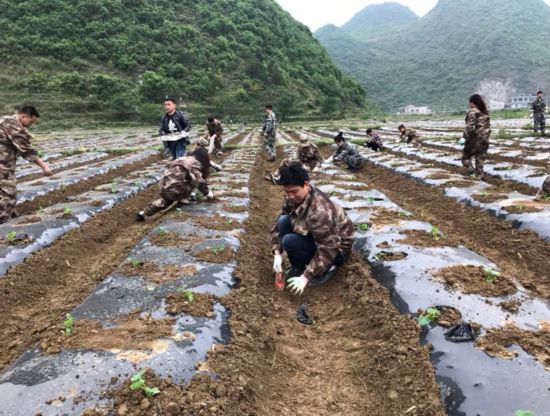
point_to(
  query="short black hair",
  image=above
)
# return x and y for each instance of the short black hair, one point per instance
(293, 174)
(269, 107)
(401, 126)
(171, 99)
(29, 110)
(210, 119)
(369, 131)
(201, 154)
(339, 137)
(539, 92)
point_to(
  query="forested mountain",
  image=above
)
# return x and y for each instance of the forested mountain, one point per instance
(229, 55)
(498, 47)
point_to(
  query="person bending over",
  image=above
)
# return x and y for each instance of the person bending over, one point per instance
(316, 233)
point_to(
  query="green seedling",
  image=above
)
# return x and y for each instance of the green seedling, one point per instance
(370, 200)
(186, 293)
(217, 249)
(230, 221)
(138, 382)
(67, 211)
(40, 153)
(524, 413)
(68, 325)
(380, 256)
(436, 233)
(431, 315)
(162, 231)
(362, 228)
(403, 214)
(114, 188)
(135, 262)
(11, 236)
(490, 275)
(40, 209)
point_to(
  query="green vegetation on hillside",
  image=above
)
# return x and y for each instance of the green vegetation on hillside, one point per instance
(122, 57)
(442, 58)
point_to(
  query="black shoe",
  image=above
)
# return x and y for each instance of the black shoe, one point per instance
(140, 217)
(325, 277)
(293, 272)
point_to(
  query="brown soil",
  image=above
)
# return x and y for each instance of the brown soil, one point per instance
(471, 279)
(358, 339)
(56, 279)
(217, 222)
(60, 195)
(384, 216)
(521, 209)
(384, 244)
(167, 239)
(202, 304)
(155, 273)
(489, 197)
(449, 316)
(420, 238)
(437, 176)
(519, 253)
(29, 220)
(391, 255)
(235, 208)
(216, 254)
(131, 333)
(537, 343)
(510, 305)
(458, 184)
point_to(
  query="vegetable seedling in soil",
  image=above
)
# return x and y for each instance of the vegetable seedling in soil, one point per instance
(436, 233)
(67, 211)
(490, 275)
(186, 293)
(114, 188)
(135, 262)
(403, 214)
(138, 382)
(68, 325)
(362, 228)
(431, 315)
(218, 248)
(524, 413)
(11, 236)
(370, 200)
(162, 231)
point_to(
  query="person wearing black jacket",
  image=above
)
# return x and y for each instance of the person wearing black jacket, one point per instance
(174, 129)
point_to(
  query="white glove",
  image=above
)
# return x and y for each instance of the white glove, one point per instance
(531, 114)
(315, 169)
(278, 263)
(329, 159)
(296, 285)
(210, 195)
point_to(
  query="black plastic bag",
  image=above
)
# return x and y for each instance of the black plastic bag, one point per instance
(461, 332)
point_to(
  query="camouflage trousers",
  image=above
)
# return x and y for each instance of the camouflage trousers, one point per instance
(7, 202)
(269, 146)
(476, 149)
(545, 188)
(353, 162)
(539, 122)
(167, 198)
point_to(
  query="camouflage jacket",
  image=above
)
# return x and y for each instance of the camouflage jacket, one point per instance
(182, 173)
(539, 106)
(346, 151)
(327, 223)
(15, 141)
(408, 135)
(478, 125)
(214, 128)
(308, 152)
(270, 125)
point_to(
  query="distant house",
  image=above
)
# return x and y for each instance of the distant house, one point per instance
(412, 109)
(522, 101)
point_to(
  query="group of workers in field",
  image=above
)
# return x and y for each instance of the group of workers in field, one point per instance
(315, 232)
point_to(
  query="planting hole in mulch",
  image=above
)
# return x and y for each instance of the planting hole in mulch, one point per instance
(221, 253)
(521, 209)
(235, 208)
(384, 216)
(488, 197)
(457, 184)
(161, 237)
(217, 222)
(474, 279)
(195, 304)
(421, 238)
(437, 176)
(390, 255)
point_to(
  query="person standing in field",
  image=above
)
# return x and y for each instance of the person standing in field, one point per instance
(15, 141)
(214, 132)
(476, 135)
(174, 129)
(538, 112)
(269, 132)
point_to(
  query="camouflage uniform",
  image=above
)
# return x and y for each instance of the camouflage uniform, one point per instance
(539, 110)
(309, 155)
(409, 135)
(217, 129)
(177, 183)
(476, 133)
(348, 153)
(327, 223)
(544, 191)
(14, 141)
(269, 132)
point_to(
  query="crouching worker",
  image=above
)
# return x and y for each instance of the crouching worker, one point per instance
(408, 135)
(544, 191)
(308, 153)
(179, 180)
(315, 233)
(347, 153)
(374, 141)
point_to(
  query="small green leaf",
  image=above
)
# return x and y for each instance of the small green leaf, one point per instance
(524, 413)
(162, 231)
(137, 376)
(151, 391)
(67, 210)
(139, 383)
(11, 236)
(423, 320)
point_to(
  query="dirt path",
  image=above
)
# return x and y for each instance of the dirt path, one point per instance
(361, 357)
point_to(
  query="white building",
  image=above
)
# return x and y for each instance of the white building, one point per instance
(412, 109)
(522, 101)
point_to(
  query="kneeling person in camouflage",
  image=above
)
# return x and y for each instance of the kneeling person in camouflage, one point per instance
(179, 180)
(15, 141)
(347, 153)
(316, 233)
(308, 153)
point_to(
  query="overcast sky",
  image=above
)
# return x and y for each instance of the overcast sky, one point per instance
(317, 13)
